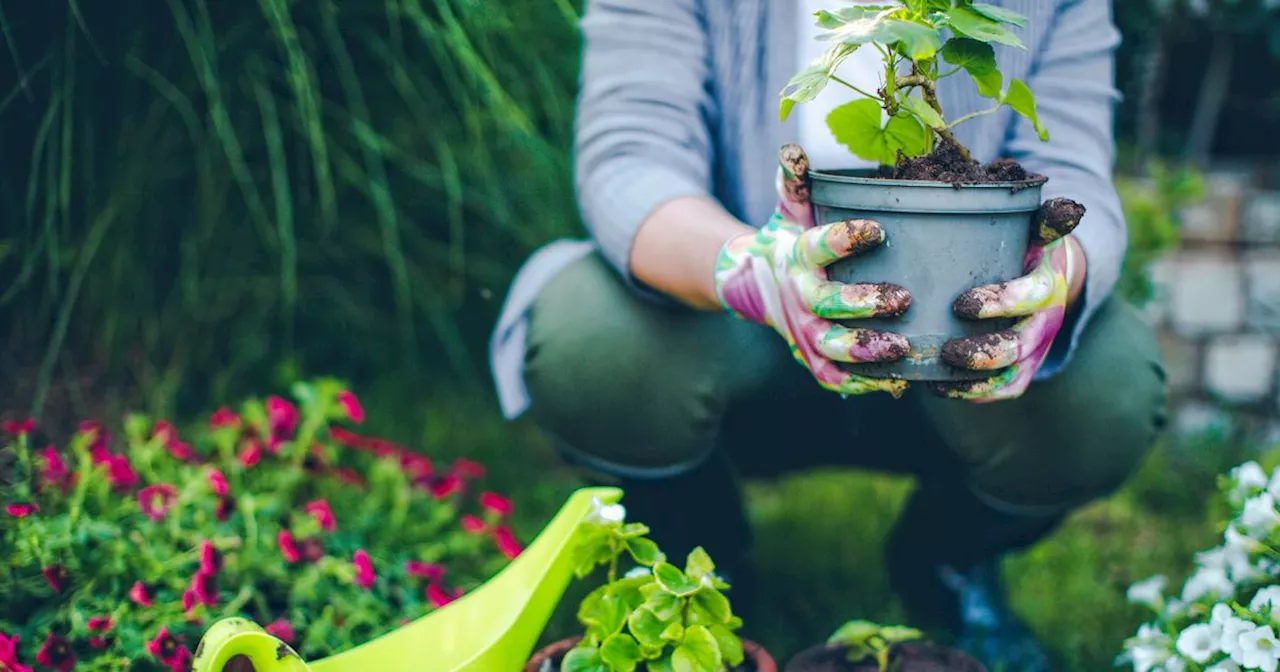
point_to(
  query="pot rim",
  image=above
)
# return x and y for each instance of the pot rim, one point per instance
(861, 176)
(753, 650)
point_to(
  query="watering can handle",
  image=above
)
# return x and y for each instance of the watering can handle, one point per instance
(240, 645)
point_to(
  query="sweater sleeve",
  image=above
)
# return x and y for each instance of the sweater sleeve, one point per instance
(1074, 85)
(641, 134)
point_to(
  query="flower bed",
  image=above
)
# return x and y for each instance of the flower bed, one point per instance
(120, 550)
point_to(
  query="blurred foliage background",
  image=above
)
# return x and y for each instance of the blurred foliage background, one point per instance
(202, 199)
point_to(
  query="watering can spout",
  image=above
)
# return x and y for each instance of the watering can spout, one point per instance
(491, 629)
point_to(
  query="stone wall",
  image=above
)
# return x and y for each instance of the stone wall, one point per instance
(1217, 305)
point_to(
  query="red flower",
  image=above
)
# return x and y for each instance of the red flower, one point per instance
(54, 471)
(320, 510)
(223, 510)
(282, 416)
(21, 509)
(210, 558)
(204, 587)
(157, 500)
(424, 570)
(467, 468)
(9, 654)
(288, 548)
(282, 629)
(444, 487)
(99, 437)
(251, 453)
(495, 504)
(57, 653)
(164, 431)
(101, 624)
(20, 427)
(351, 405)
(364, 569)
(438, 596)
(348, 438)
(224, 417)
(164, 647)
(141, 594)
(472, 524)
(120, 473)
(218, 482)
(181, 450)
(188, 600)
(506, 541)
(56, 576)
(312, 549)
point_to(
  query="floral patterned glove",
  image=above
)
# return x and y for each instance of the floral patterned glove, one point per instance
(777, 277)
(1039, 298)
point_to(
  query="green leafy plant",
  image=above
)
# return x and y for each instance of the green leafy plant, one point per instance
(865, 639)
(915, 58)
(1151, 208)
(120, 547)
(656, 617)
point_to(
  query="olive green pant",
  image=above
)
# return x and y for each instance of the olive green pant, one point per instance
(676, 404)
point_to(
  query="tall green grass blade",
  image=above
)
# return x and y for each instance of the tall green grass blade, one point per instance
(284, 205)
(23, 75)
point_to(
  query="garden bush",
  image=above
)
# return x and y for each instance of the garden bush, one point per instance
(119, 551)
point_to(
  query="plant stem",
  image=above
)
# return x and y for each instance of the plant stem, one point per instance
(841, 81)
(930, 93)
(973, 115)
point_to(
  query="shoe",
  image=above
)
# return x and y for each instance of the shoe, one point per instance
(987, 627)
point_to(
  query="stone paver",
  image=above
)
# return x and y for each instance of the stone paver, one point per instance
(1240, 368)
(1206, 294)
(1262, 280)
(1260, 219)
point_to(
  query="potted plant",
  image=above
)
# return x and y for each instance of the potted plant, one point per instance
(655, 617)
(952, 223)
(863, 646)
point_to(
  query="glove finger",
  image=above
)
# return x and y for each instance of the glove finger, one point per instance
(1055, 219)
(860, 346)
(855, 385)
(793, 186)
(824, 245)
(1006, 385)
(984, 352)
(1015, 298)
(840, 301)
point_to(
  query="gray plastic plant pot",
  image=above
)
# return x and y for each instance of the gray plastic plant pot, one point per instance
(942, 240)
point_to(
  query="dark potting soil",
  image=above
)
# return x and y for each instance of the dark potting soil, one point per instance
(947, 164)
(905, 657)
(553, 665)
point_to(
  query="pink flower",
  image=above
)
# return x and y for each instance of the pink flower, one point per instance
(19, 427)
(288, 548)
(224, 508)
(99, 437)
(21, 509)
(99, 624)
(54, 471)
(424, 570)
(320, 510)
(495, 504)
(282, 629)
(218, 482)
(312, 549)
(204, 587)
(188, 600)
(251, 453)
(9, 654)
(210, 558)
(56, 576)
(157, 500)
(364, 569)
(348, 438)
(141, 594)
(506, 541)
(446, 486)
(438, 596)
(282, 416)
(224, 417)
(467, 468)
(351, 405)
(57, 653)
(164, 431)
(164, 646)
(120, 473)
(473, 525)
(181, 450)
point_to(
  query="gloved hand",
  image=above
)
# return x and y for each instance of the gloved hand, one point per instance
(777, 277)
(1039, 298)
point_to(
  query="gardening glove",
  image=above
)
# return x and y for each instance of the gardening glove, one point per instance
(1039, 298)
(777, 277)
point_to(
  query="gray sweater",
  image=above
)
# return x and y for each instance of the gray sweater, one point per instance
(680, 97)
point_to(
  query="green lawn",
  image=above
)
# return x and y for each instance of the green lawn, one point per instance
(1071, 587)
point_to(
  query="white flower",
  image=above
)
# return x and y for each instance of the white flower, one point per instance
(1267, 597)
(1174, 665)
(1260, 649)
(1148, 591)
(637, 571)
(1273, 487)
(1259, 516)
(1249, 475)
(1232, 629)
(1207, 581)
(608, 513)
(1224, 666)
(1219, 615)
(1198, 642)
(1148, 649)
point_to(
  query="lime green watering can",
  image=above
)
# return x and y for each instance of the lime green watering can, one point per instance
(491, 629)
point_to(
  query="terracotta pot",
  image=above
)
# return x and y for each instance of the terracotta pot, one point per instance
(757, 659)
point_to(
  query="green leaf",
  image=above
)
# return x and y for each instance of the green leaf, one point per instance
(854, 633)
(698, 653)
(698, 564)
(632, 530)
(729, 643)
(979, 60)
(620, 652)
(647, 627)
(856, 125)
(673, 633)
(1020, 98)
(808, 83)
(583, 659)
(673, 580)
(662, 603)
(784, 110)
(835, 20)
(919, 41)
(644, 551)
(1000, 14)
(592, 550)
(714, 605)
(972, 24)
(923, 112)
(602, 612)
